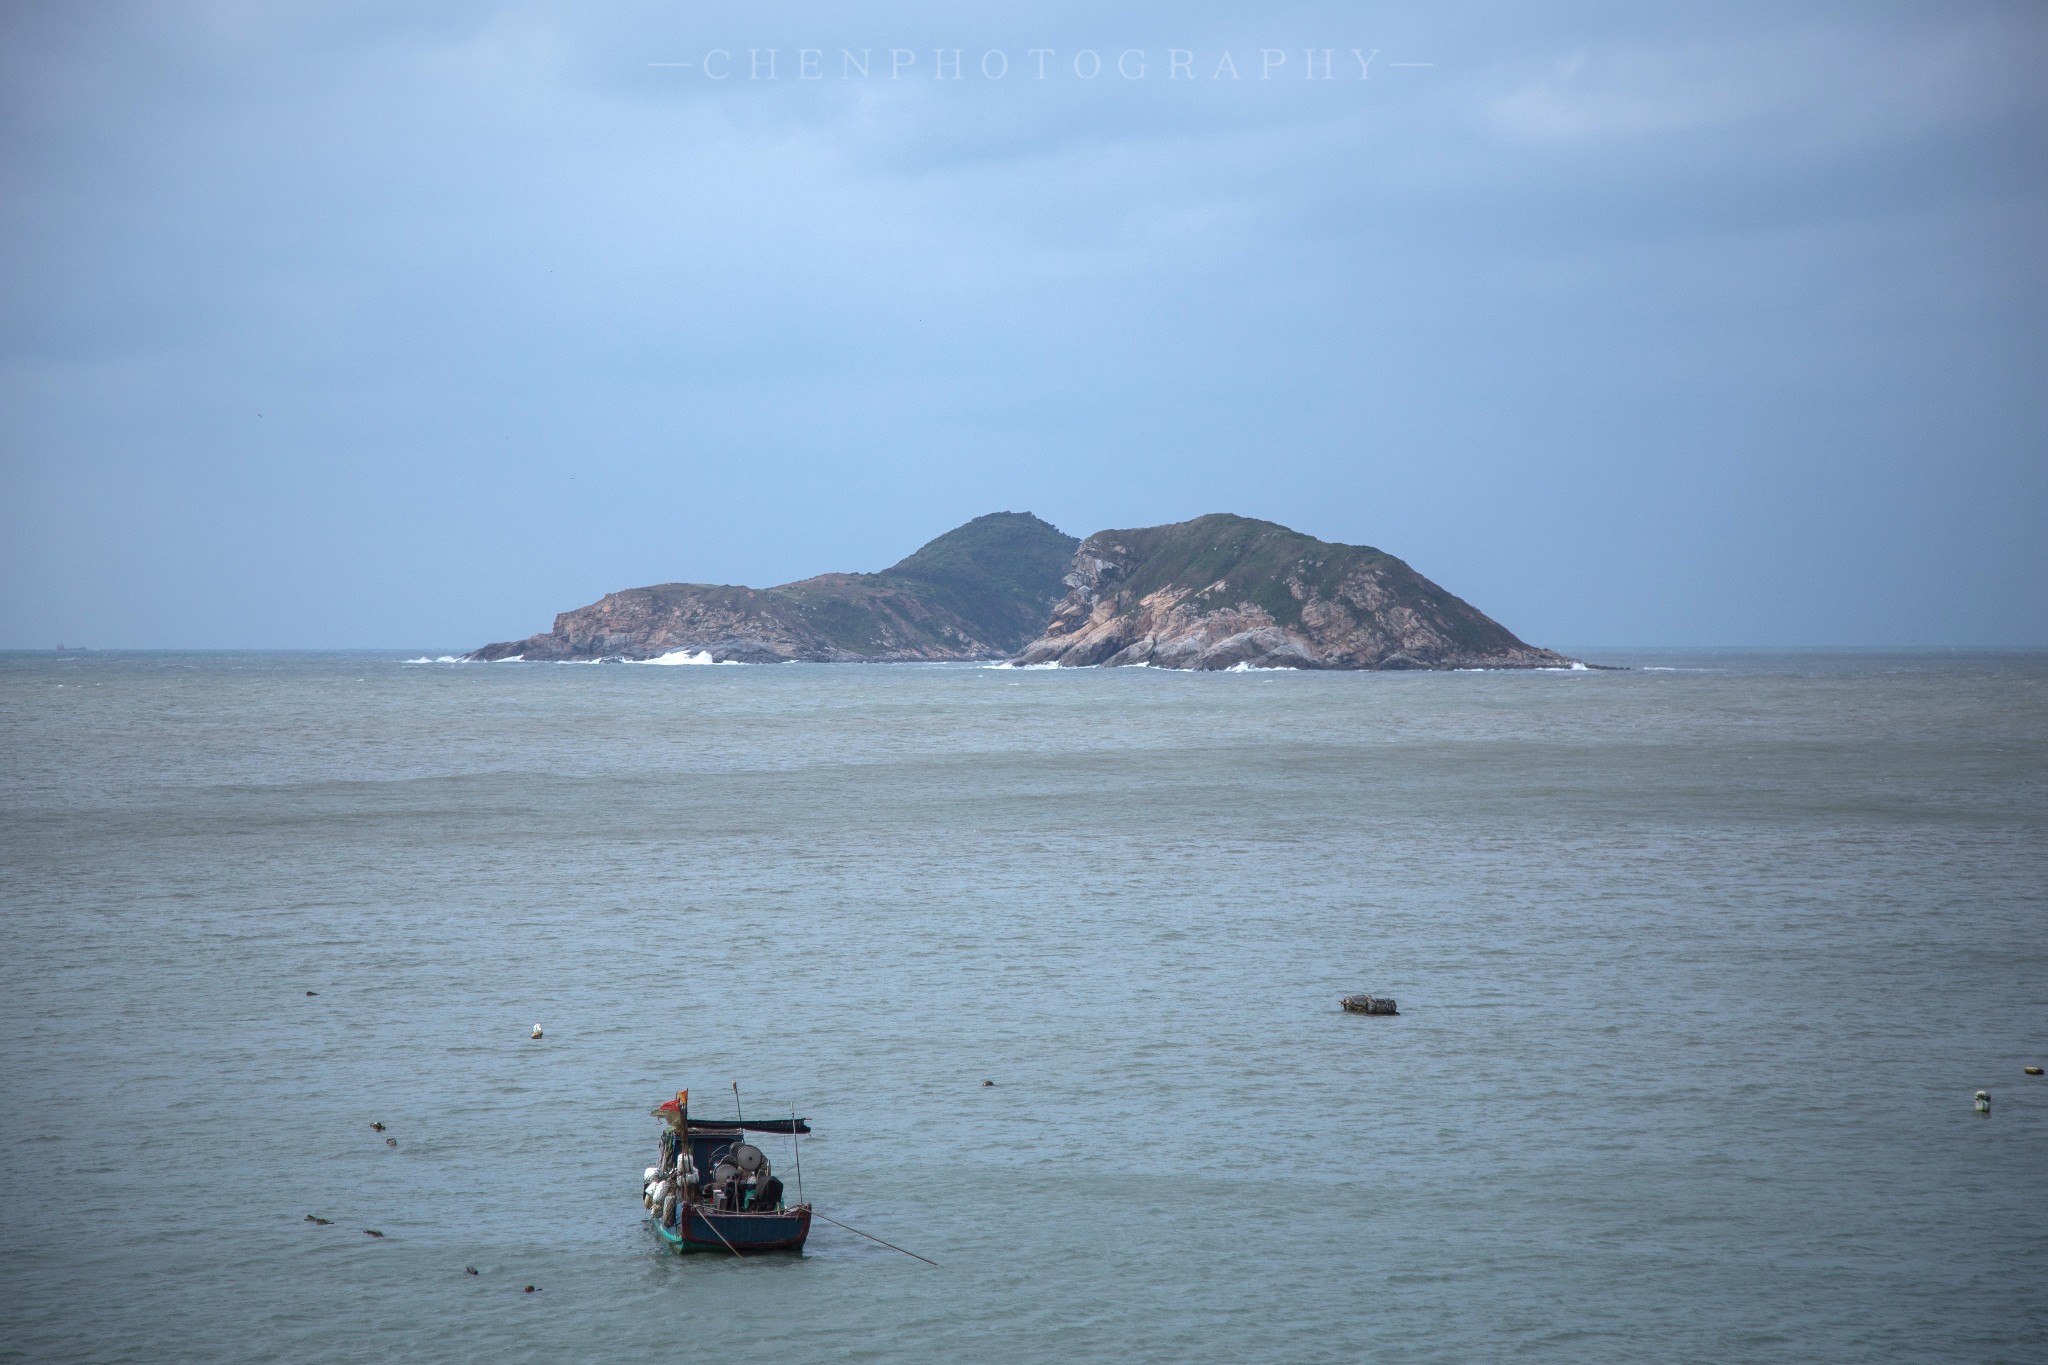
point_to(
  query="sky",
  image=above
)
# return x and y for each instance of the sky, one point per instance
(379, 324)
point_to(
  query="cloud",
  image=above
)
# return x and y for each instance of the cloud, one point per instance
(465, 256)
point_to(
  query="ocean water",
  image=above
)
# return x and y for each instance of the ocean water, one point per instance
(1699, 965)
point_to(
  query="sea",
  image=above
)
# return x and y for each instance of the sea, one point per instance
(1699, 963)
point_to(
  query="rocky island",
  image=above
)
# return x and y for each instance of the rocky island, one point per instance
(981, 591)
(1223, 591)
(1217, 592)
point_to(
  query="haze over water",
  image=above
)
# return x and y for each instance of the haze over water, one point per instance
(1698, 964)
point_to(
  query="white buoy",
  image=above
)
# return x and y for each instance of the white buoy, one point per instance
(536, 1030)
(1983, 1101)
(648, 1177)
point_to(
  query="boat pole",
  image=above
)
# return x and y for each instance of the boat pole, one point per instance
(797, 1143)
(736, 1102)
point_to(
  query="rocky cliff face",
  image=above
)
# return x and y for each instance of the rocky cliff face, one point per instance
(1222, 590)
(978, 592)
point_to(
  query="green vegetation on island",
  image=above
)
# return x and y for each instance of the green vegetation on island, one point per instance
(1219, 591)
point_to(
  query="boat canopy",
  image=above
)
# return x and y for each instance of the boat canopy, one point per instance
(752, 1125)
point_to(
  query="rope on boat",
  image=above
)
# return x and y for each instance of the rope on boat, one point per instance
(719, 1235)
(871, 1237)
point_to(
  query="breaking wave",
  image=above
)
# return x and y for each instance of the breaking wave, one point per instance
(684, 656)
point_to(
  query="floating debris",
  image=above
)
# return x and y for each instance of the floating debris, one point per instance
(536, 1030)
(986, 1084)
(530, 1289)
(390, 1142)
(1369, 1004)
(2033, 1070)
(1983, 1101)
(323, 1222)
(312, 992)
(371, 1232)
(378, 1126)
(469, 1270)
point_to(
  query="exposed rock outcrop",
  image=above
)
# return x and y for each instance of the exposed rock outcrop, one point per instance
(1223, 591)
(978, 592)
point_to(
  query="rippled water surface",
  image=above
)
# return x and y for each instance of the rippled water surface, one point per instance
(1698, 966)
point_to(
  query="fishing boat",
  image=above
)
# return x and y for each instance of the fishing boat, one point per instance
(712, 1190)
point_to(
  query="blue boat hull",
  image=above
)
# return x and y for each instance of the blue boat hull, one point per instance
(700, 1229)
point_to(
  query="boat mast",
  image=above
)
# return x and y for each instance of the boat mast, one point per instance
(686, 1161)
(798, 1143)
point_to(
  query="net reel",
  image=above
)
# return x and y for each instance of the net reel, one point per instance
(742, 1178)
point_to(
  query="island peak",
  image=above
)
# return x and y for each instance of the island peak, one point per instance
(1226, 591)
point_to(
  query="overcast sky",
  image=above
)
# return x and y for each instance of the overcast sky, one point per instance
(389, 324)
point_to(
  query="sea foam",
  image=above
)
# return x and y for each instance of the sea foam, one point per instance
(684, 656)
